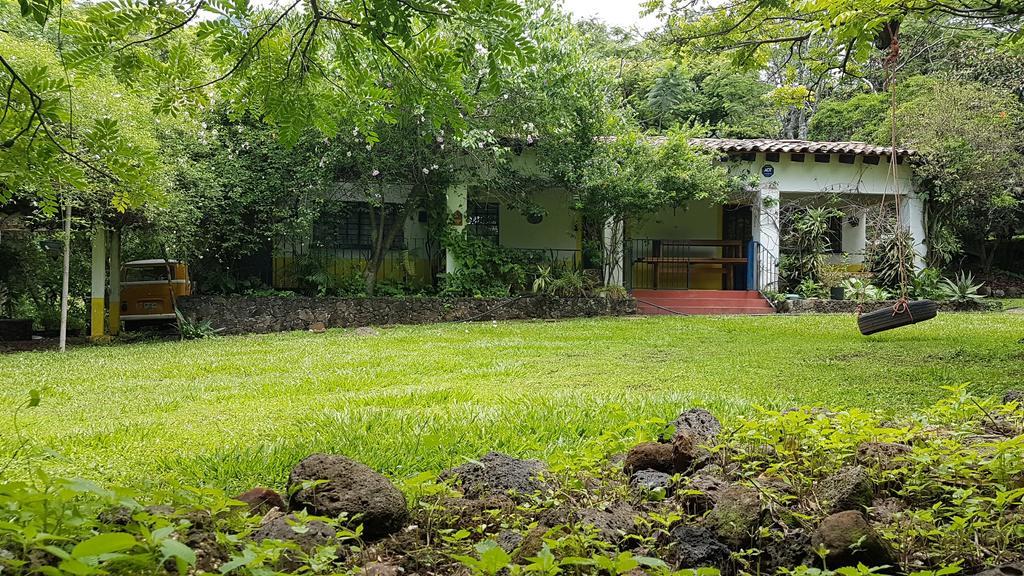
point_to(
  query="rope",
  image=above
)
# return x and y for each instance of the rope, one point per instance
(901, 305)
(890, 61)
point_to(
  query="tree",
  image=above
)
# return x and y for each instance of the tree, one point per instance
(829, 35)
(309, 64)
(630, 175)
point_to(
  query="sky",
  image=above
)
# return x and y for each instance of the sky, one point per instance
(625, 13)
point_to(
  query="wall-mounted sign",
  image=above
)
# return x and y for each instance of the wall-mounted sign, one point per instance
(767, 170)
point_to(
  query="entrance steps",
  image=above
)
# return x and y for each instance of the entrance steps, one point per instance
(701, 302)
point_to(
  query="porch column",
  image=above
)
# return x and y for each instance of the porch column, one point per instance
(114, 311)
(855, 234)
(455, 199)
(912, 219)
(767, 233)
(99, 281)
(612, 238)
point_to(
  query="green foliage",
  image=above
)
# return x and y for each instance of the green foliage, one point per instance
(65, 133)
(890, 259)
(805, 243)
(194, 330)
(961, 288)
(861, 290)
(30, 267)
(857, 118)
(808, 288)
(928, 285)
(632, 175)
(485, 268)
(218, 214)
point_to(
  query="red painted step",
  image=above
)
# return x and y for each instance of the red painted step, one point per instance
(656, 302)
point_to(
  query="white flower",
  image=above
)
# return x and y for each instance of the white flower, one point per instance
(426, 171)
(349, 154)
(433, 167)
(375, 173)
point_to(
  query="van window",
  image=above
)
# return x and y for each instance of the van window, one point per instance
(147, 273)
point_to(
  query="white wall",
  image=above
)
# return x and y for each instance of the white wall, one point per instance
(817, 177)
(556, 231)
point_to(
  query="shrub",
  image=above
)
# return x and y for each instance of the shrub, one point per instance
(961, 288)
(808, 288)
(862, 291)
(928, 285)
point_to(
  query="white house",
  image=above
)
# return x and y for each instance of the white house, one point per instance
(700, 246)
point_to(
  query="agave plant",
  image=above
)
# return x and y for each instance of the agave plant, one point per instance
(961, 288)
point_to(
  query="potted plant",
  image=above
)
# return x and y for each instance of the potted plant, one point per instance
(11, 329)
(832, 276)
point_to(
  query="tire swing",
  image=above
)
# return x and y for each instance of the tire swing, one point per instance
(904, 311)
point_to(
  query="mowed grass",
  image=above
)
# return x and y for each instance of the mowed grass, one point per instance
(234, 412)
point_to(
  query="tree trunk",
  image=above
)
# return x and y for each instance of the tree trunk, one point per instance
(65, 282)
(384, 239)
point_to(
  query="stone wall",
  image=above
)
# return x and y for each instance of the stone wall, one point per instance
(245, 314)
(824, 306)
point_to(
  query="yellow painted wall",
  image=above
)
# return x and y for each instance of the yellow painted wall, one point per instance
(695, 221)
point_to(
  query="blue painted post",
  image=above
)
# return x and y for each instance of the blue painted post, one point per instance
(750, 266)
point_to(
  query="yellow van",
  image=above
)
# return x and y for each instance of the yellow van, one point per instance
(146, 291)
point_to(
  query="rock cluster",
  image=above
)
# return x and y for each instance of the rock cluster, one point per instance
(521, 506)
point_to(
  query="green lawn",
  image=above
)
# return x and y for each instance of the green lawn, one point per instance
(237, 411)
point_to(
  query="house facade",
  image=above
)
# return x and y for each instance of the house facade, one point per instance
(735, 245)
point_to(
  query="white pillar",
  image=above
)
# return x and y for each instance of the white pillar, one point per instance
(912, 219)
(855, 234)
(455, 199)
(99, 281)
(613, 254)
(767, 232)
(114, 311)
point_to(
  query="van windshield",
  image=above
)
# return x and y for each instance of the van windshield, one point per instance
(147, 273)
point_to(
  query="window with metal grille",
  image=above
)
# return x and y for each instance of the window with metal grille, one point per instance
(350, 226)
(482, 219)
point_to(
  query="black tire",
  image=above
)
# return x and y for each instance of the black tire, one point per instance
(886, 319)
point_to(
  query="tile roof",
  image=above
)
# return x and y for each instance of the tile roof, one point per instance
(798, 146)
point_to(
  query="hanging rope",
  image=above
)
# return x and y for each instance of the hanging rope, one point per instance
(891, 59)
(903, 311)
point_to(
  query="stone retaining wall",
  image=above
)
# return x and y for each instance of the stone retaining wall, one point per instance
(823, 306)
(251, 314)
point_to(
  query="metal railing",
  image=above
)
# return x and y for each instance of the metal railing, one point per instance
(684, 264)
(298, 263)
(567, 257)
(763, 268)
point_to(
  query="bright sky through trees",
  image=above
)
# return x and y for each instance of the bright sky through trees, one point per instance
(625, 13)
